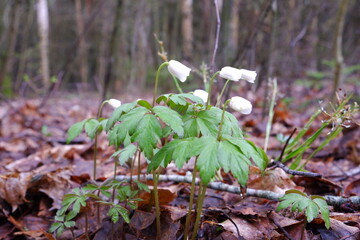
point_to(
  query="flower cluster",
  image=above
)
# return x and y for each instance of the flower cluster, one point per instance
(238, 104)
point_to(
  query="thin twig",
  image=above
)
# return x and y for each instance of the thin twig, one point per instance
(293, 172)
(281, 229)
(279, 164)
(286, 144)
(217, 35)
(331, 200)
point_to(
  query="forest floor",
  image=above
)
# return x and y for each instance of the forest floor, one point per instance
(37, 168)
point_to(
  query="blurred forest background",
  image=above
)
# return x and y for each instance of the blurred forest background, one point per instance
(96, 45)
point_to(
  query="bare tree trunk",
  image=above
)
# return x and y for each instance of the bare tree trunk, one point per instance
(112, 47)
(234, 26)
(12, 33)
(24, 52)
(101, 62)
(82, 44)
(339, 64)
(187, 28)
(43, 25)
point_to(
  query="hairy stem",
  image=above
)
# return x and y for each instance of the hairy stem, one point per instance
(177, 84)
(221, 93)
(157, 80)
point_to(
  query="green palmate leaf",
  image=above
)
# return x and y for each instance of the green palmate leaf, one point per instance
(180, 99)
(232, 159)
(170, 118)
(113, 213)
(193, 98)
(312, 211)
(55, 226)
(128, 125)
(147, 134)
(91, 127)
(231, 126)
(190, 128)
(311, 204)
(125, 154)
(251, 151)
(208, 162)
(70, 224)
(145, 104)
(115, 116)
(179, 150)
(163, 98)
(142, 187)
(208, 123)
(324, 209)
(204, 122)
(75, 131)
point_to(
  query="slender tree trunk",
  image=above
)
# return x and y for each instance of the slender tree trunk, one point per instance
(82, 44)
(234, 26)
(339, 60)
(24, 52)
(187, 28)
(12, 36)
(112, 47)
(43, 25)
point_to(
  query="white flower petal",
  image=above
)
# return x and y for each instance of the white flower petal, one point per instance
(230, 73)
(248, 75)
(179, 70)
(241, 105)
(201, 94)
(114, 103)
(235, 74)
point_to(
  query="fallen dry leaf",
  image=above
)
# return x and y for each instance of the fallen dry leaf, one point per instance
(165, 197)
(13, 188)
(275, 180)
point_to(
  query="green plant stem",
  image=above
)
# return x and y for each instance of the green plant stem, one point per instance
(87, 226)
(177, 84)
(210, 88)
(157, 205)
(157, 80)
(96, 137)
(222, 119)
(113, 200)
(221, 93)
(94, 156)
(192, 193)
(139, 167)
(199, 211)
(271, 115)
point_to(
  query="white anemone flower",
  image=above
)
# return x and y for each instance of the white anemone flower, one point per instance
(179, 70)
(201, 94)
(241, 105)
(114, 103)
(235, 74)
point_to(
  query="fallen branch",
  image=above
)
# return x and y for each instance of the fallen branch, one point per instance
(331, 200)
(293, 172)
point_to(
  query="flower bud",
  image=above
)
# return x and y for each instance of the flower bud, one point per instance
(235, 74)
(114, 103)
(178, 70)
(201, 94)
(241, 105)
